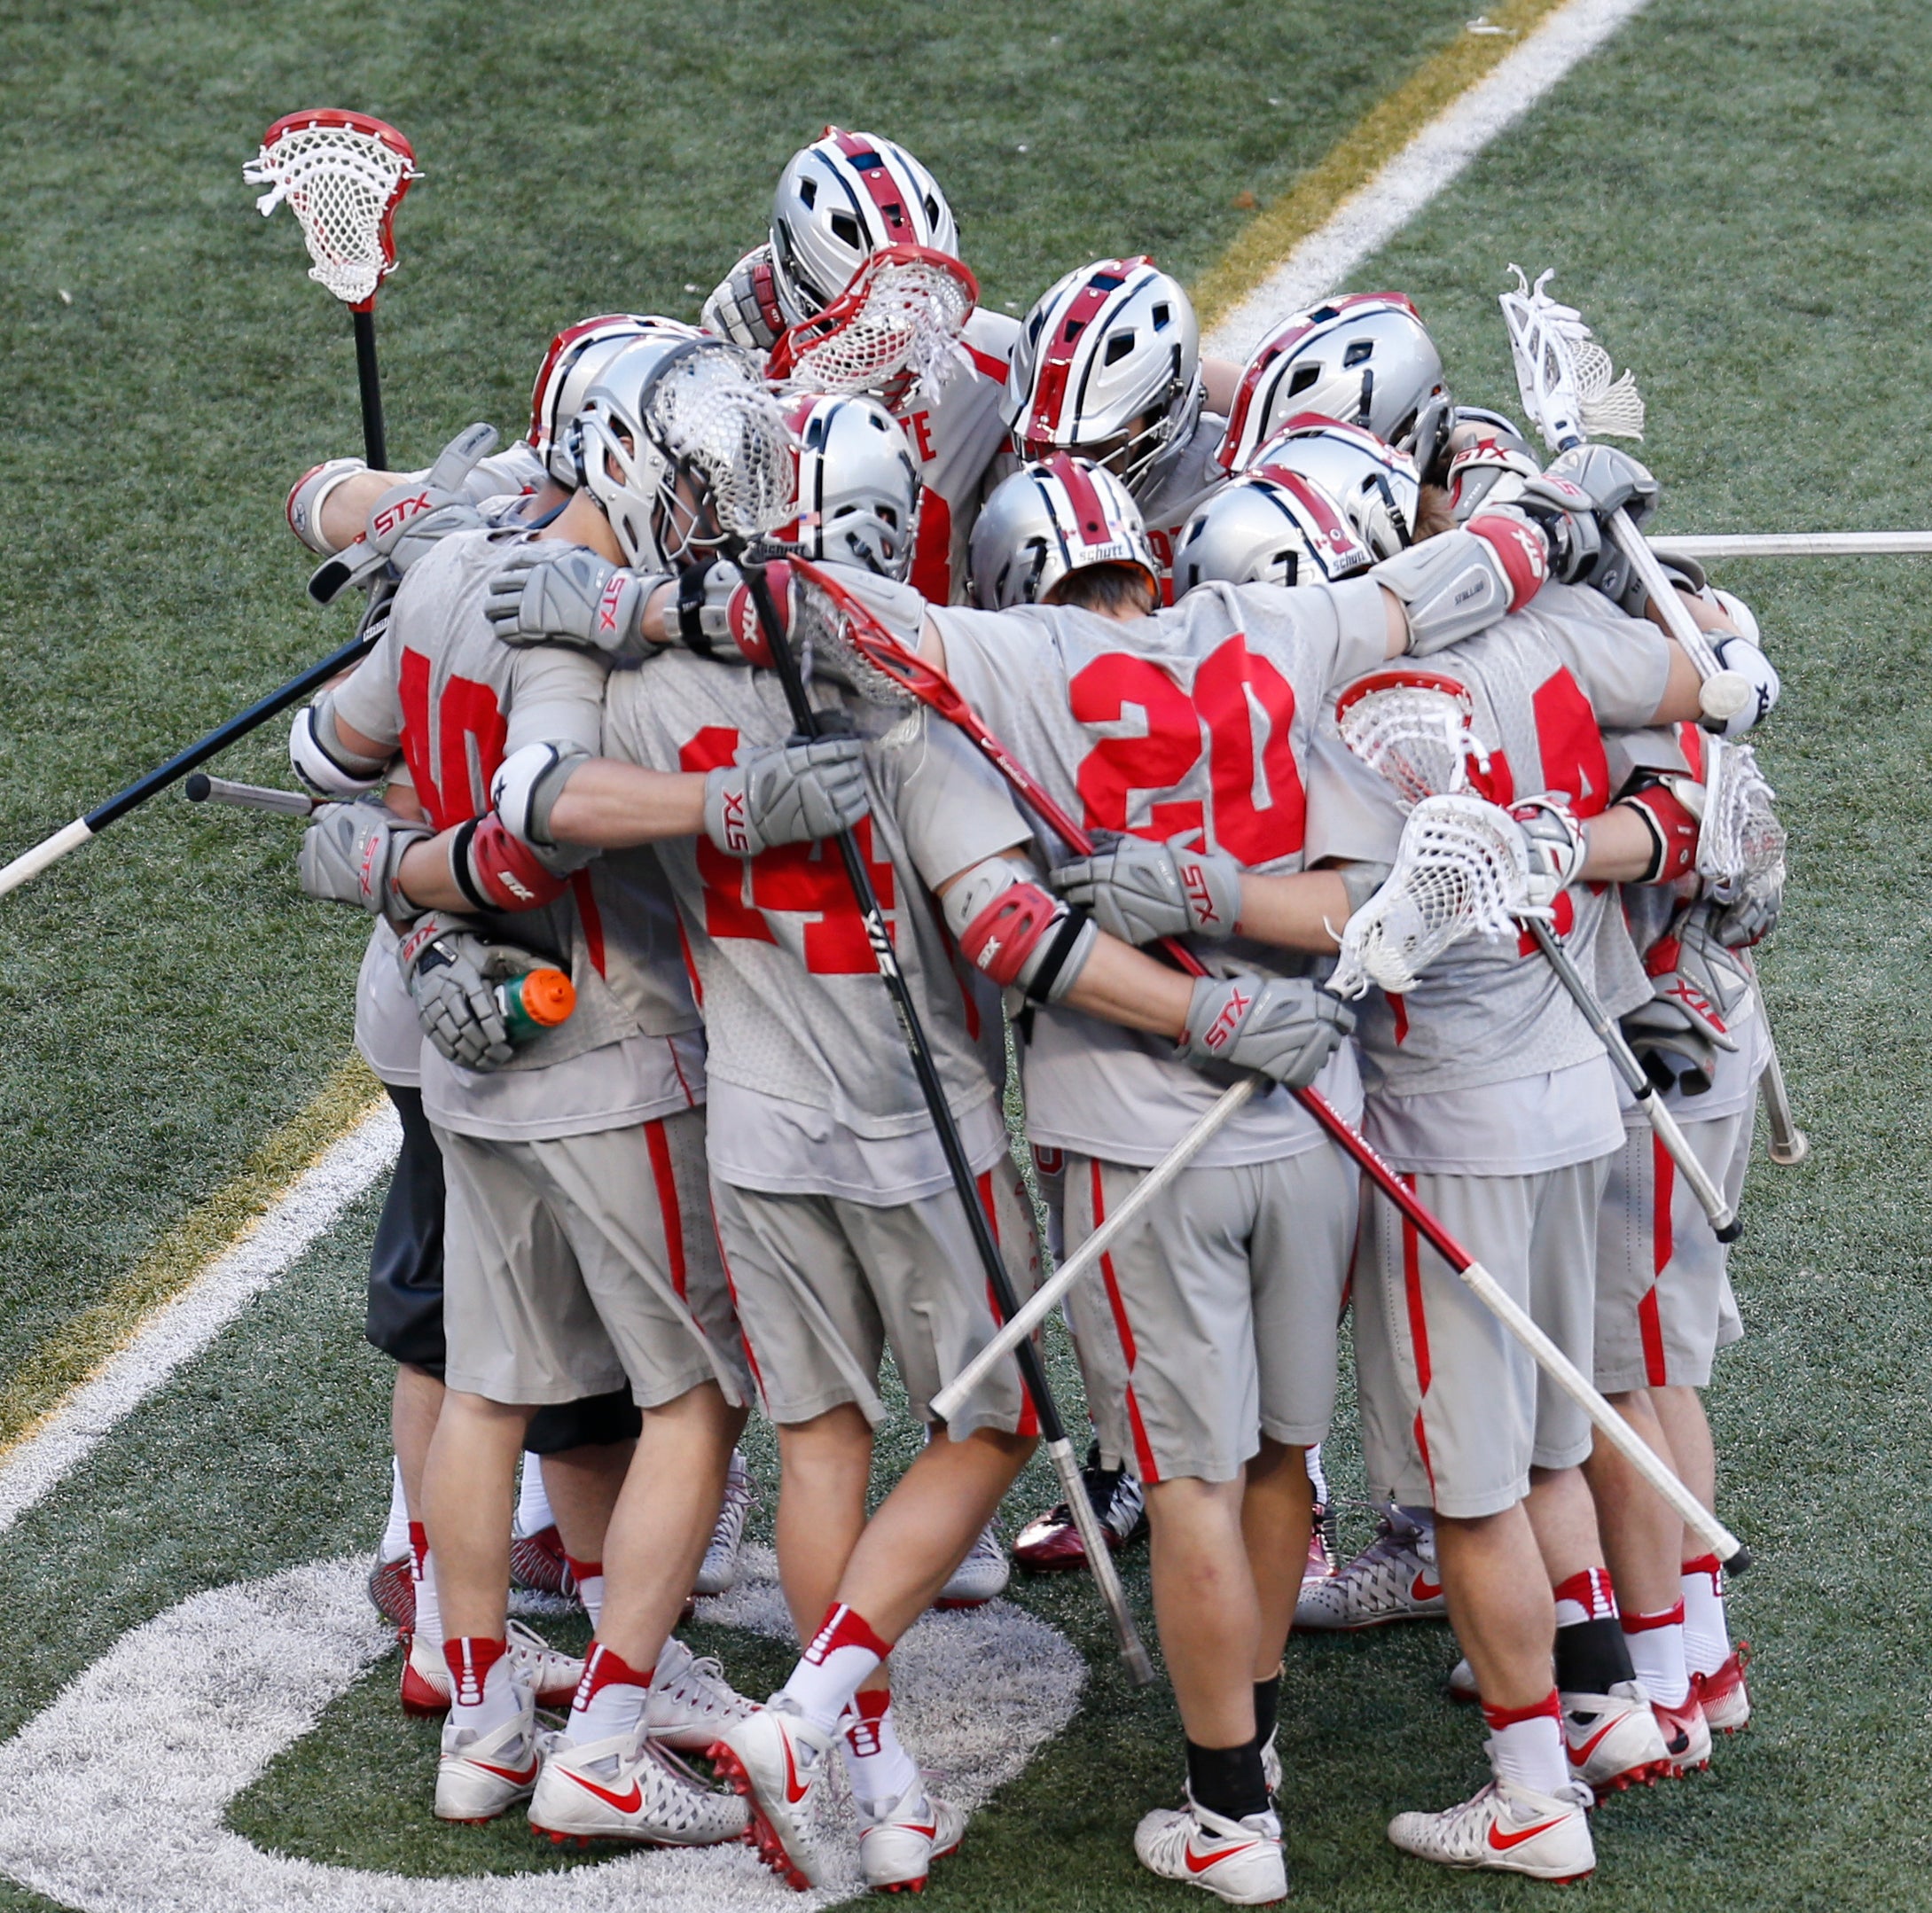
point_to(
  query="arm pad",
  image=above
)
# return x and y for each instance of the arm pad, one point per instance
(1011, 928)
(308, 495)
(1673, 828)
(496, 872)
(528, 784)
(1455, 585)
(322, 760)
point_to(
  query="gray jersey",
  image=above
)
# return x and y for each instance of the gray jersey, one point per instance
(1544, 684)
(1182, 478)
(1200, 719)
(802, 1033)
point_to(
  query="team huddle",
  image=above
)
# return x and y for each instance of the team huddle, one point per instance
(1274, 635)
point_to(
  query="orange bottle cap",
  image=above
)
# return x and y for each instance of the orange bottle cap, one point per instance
(549, 997)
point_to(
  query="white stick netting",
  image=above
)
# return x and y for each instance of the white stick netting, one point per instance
(340, 183)
(903, 316)
(712, 412)
(1567, 380)
(1741, 842)
(1461, 871)
(1417, 737)
(823, 632)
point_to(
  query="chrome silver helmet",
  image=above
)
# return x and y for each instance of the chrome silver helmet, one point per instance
(1058, 515)
(1283, 529)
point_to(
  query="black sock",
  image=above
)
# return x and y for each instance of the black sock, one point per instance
(1267, 1694)
(1227, 1780)
(1592, 1656)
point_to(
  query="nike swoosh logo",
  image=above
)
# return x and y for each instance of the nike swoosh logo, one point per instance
(1578, 1755)
(1422, 1589)
(793, 1792)
(625, 1803)
(1502, 1842)
(1214, 1860)
(517, 1775)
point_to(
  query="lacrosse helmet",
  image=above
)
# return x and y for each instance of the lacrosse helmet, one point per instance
(838, 201)
(1056, 516)
(1107, 366)
(1281, 530)
(1377, 486)
(858, 489)
(575, 360)
(1366, 359)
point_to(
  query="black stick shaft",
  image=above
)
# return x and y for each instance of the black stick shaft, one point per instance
(375, 446)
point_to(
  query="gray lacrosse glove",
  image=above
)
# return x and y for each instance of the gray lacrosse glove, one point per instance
(1611, 479)
(1286, 1028)
(1747, 917)
(791, 794)
(449, 973)
(1140, 892)
(552, 593)
(405, 523)
(1699, 989)
(1564, 514)
(1556, 845)
(353, 854)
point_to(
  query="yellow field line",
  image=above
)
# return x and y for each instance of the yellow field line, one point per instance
(77, 1351)
(1382, 132)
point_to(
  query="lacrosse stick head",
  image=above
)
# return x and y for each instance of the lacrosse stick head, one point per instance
(1461, 871)
(1740, 843)
(1413, 727)
(343, 176)
(894, 325)
(1567, 379)
(837, 636)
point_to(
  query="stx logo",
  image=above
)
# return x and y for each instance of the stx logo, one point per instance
(1200, 898)
(1695, 1001)
(1221, 1032)
(370, 876)
(391, 518)
(988, 953)
(737, 835)
(508, 879)
(606, 605)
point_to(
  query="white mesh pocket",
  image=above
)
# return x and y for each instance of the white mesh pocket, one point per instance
(341, 183)
(1740, 841)
(712, 411)
(903, 316)
(1417, 737)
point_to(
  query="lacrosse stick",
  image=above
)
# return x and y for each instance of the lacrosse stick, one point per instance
(1466, 875)
(859, 651)
(1795, 544)
(1565, 378)
(902, 314)
(719, 420)
(203, 789)
(69, 837)
(343, 176)
(1741, 850)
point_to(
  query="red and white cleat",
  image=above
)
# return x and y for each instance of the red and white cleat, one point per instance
(777, 1758)
(1462, 1682)
(551, 1676)
(1051, 1542)
(1687, 1736)
(690, 1703)
(480, 1776)
(1725, 1699)
(626, 1788)
(897, 1847)
(982, 1577)
(392, 1589)
(538, 1562)
(1394, 1578)
(1506, 1829)
(718, 1570)
(1238, 1861)
(1320, 1565)
(1614, 1739)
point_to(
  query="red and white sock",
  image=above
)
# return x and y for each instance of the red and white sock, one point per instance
(843, 1652)
(878, 1766)
(533, 1514)
(588, 1576)
(610, 1697)
(1526, 1745)
(1586, 1595)
(1657, 1646)
(423, 1574)
(1707, 1634)
(483, 1692)
(395, 1531)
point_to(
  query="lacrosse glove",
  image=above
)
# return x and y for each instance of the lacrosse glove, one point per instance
(451, 975)
(1140, 892)
(1285, 1028)
(353, 854)
(791, 794)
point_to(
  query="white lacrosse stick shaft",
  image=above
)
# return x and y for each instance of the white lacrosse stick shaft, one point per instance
(1789, 1146)
(1131, 1213)
(1723, 694)
(1797, 544)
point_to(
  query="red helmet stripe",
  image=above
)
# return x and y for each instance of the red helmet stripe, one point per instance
(553, 365)
(1051, 374)
(1316, 506)
(1084, 497)
(882, 185)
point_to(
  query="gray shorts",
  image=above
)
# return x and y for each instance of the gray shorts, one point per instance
(1454, 1411)
(577, 1263)
(1215, 1322)
(824, 1285)
(1664, 1306)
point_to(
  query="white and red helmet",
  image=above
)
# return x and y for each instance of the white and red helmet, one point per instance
(838, 201)
(1366, 359)
(1283, 529)
(1376, 485)
(575, 360)
(1107, 366)
(857, 486)
(1058, 515)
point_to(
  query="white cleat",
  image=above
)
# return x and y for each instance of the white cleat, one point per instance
(480, 1776)
(897, 1847)
(982, 1577)
(1687, 1736)
(718, 1570)
(690, 1703)
(777, 1758)
(1271, 1764)
(1613, 1739)
(1725, 1697)
(1462, 1682)
(1507, 1829)
(551, 1676)
(1240, 1861)
(1394, 1578)
(626, 1788)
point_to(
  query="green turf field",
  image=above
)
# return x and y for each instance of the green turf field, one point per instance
(1737, 195)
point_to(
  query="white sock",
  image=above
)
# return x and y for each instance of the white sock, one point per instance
(1526, 1745)
(533, 1514)
(1657, 1646)
(428, 1611)
(483, 1691)
(1316, 1478)
(879, 1767)
(843, 1652)
(610, 1697)
(588, 1576)
(1707, 1634)
(396, 1534)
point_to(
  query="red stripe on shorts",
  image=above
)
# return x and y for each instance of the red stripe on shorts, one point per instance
(1029, 1419)
(1143, 1450)
(658, 1145)
(1419, 1329)
(1649, 1321)
(744, 1333)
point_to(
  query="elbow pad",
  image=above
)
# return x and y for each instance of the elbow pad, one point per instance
(1018, 935)
(1455, 585)
(1674, 825)
(308, 495)
(498, 872)
(526, 786)
(323, 761)
(1740, 655)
